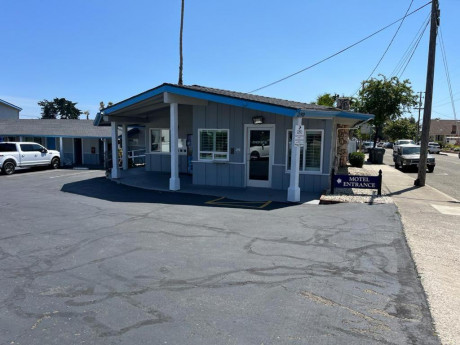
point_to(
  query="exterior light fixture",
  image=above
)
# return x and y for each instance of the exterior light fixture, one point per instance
(258, 120)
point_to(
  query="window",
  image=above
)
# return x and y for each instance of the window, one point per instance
(8, 148)
(213, 144)
(159, 140)
(310, 153)
(31, 147)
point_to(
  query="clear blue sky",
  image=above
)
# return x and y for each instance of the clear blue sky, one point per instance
(92, 51)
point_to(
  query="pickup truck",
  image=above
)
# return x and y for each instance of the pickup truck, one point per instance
(26, 155)
(408, 156)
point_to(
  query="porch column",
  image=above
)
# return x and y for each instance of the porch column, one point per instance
(61, 150)
(115, 170)
(294, 190)
(174, 181)
(124, 142)
(106, 155)
(21, 139)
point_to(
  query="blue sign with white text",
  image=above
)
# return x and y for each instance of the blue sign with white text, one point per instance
(356, 181)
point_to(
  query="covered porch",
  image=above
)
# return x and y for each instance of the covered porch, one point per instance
(159, 181)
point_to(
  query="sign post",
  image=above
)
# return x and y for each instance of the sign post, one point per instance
(299, 135)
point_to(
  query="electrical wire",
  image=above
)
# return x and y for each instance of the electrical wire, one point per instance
(339, 52)
(391, 42)
(388, 47)
(446, 69)
(413, 51)
(411, 47)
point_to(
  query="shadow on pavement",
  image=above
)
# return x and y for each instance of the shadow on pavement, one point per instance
(104, 189)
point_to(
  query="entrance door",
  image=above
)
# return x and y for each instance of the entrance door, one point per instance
(260, 148)
(77, 151)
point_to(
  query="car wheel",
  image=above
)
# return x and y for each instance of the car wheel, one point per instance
(55, 163)
(8, 168)
(430, 169)
(255, 155)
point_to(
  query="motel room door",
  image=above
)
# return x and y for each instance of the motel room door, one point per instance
(260, 150)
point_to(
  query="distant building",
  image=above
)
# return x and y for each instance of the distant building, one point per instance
(8, 110)
(79, 142)
(446, 131)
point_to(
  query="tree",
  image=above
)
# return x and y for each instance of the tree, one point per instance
(59, 107)
(387, 99)
(400, 128)
(326, 99)
(102, 105)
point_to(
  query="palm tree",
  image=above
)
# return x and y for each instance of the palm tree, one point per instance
(180, 43)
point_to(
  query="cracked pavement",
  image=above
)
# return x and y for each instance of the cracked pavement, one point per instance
(84, 260)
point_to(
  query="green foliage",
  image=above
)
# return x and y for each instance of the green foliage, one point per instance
(403, 128)
(102, 105)
(387, 99)
(59, 107)
(326, 99)
(357, 159)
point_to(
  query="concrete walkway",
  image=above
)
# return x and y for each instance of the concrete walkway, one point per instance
(431, 221)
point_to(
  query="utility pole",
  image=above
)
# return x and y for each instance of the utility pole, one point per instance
(420, 181)
(181, 62)
(418, 121)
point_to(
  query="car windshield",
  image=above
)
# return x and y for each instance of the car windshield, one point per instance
(410, 150)
(403, 142)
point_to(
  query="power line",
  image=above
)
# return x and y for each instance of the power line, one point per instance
(339, 52)
(391, 42)
(413, 51)
(388, 47)
(446, 69)
(411, 46)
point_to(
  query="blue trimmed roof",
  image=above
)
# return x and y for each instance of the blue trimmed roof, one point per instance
(239, 99)
(10, 105)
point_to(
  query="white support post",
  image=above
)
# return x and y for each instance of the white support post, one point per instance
(106, 154)
(61, 150)
(174, 181)
(294, 190)
(21, 139)
(124, 142)
(115, 169)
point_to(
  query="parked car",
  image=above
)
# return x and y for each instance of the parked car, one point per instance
(388, 145)
(434, 147)
(408, 156)
(367, 145)
(399, 143)
(26, 155)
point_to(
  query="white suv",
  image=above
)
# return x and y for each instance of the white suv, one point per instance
(434, 147)
(26, 155)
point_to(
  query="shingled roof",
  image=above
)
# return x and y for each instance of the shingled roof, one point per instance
(257, 98)
(53, 128)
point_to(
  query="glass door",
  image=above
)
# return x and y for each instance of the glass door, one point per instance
(259, 157)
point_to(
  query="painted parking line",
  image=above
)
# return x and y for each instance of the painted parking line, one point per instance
(74, 174)
(233, 203)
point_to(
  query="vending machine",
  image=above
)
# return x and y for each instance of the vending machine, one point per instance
(189, 154)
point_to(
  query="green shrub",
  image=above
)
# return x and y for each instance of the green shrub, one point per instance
(357, 159)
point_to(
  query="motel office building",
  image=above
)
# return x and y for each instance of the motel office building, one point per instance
(232, 139)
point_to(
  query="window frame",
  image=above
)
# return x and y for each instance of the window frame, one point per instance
(302, 163)
(213, 152)
(150, 140)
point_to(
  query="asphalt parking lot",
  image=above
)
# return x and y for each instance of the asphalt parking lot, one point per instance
(88, 261)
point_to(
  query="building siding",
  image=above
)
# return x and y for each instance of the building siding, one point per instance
(233, 173)
(8, 113)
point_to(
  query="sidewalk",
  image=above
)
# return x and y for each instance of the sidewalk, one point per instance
(431, 221)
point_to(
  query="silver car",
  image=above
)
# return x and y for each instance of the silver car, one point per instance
(408, 156)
